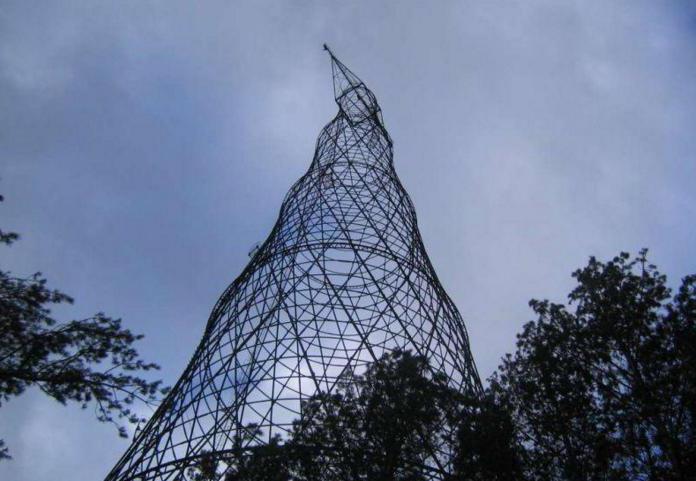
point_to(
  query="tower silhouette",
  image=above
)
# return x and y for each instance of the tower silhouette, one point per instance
(342, 279)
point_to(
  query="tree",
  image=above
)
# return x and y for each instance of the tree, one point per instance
(485, 445)
(266, 462)
(89, 361)
(390, 423)
(605, 388)
(398, 421)
(601, 389)
(387, 424)
(205, 468)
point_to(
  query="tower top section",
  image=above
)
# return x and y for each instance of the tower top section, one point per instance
(356, 135)
(353, 97)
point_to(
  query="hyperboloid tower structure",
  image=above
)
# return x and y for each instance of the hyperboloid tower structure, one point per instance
(342, 279)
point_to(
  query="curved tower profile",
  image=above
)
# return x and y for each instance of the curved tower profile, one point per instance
(342, 279)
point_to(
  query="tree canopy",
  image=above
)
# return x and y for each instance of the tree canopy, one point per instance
(91, 361)
(398, 421)
(603, 388)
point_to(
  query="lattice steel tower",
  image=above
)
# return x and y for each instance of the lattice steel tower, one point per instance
(342, 279)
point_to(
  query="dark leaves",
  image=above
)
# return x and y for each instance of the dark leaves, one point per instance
(605, 390)
(90, 361)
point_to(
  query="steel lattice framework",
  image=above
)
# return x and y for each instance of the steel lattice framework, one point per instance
(342, 279)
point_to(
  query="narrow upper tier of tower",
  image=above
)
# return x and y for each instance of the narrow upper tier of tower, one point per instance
(353, 97)
(356, 135)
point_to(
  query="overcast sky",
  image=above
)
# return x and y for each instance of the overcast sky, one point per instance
(145, 146)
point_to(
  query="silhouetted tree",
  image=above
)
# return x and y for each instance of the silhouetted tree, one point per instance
(485, 448)
(268, 462)
(606, 389)
(205, 468)
(387, 424)
(88, 361)
(601, 389)
(396, 422)
(265, 462)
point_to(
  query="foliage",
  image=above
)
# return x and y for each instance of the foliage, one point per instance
(386, 424)
(267, 462)
(89, 361)
(601, 389)
(485, 447)
(607, 390)
(395, 422)
(204, 469)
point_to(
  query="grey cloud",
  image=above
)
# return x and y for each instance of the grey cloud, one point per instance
(146, 146)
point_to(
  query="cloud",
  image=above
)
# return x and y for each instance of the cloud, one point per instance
(145, 147)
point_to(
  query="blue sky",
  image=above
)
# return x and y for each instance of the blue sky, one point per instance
(146, 146)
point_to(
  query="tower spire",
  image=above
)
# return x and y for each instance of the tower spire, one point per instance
(353, 97)
(344, 79)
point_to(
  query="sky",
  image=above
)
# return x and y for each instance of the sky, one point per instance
(146, 146)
